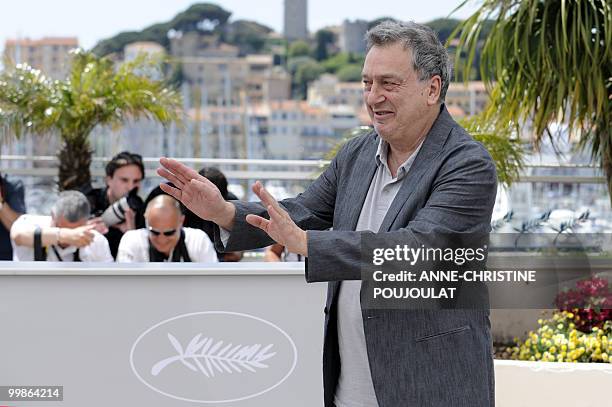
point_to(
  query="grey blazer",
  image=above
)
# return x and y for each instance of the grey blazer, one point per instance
(421, 358)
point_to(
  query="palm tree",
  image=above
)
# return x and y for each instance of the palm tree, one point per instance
(546, 61)
(94, 93)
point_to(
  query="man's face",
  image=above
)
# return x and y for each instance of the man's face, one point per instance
(160, 222)
(123, 181)
(394, 96)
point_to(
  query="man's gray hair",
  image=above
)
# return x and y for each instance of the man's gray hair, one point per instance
(72, 205)
(429, 57)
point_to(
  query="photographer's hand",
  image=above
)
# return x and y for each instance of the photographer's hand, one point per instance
(99, 224)
(130, 222)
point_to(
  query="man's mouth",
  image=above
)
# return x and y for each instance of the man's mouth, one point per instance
(382, 114)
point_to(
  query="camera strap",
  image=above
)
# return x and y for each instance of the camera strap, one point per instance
(40, 252)
(75, 256)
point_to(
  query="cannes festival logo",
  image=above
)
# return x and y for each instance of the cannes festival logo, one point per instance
(213, 357)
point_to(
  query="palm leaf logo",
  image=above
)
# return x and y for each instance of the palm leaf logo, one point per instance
(209, 356)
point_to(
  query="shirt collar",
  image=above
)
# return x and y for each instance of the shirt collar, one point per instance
(382, 153)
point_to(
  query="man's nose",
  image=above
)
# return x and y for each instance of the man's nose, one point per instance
(375, 95)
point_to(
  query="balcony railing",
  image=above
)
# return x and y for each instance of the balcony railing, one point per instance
(281, 169)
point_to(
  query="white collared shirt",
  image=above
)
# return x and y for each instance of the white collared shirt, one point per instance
(97, 251)
(134, 247)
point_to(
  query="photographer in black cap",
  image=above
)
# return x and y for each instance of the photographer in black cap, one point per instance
(118, 208)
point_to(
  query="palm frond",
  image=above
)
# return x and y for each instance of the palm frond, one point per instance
(547, 61)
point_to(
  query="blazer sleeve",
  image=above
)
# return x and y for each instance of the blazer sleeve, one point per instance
(461, 201)
(311, 210)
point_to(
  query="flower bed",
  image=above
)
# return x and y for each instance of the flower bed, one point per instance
(579, 331)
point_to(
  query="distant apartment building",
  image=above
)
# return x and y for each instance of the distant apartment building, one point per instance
(296, 20)
(49, 54)
(150, 48)
(466, 100)
(197, 44)
(234, 81)
(297, 130)
(286, 129)
(352, 36)
(329, 91)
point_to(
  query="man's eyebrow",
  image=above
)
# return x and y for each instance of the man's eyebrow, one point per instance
(382, 77)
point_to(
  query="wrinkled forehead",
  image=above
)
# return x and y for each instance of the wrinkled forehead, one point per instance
(387, 61)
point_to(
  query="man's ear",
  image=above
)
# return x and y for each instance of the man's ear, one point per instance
(433, 90)
(107, 180)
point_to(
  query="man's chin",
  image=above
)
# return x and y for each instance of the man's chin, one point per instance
(382, 130)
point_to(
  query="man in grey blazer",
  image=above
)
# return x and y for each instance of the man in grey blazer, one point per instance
(417, 173)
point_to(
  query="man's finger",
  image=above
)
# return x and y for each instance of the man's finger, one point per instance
(266, 198)
(182, 174)
(180, 170)
(172, 191)
(258, 221)
(162, 172)
(276, 214)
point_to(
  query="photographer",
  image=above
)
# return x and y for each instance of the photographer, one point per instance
(64, 236)
(12, 205)
(165, 239)
(192, 220)
(114, 214)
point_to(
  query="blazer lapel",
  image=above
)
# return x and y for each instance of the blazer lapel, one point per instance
(432, 145)
(361, 178)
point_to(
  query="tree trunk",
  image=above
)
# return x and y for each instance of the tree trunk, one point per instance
(74, 162)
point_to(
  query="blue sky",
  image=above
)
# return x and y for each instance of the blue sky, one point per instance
(91, 20)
